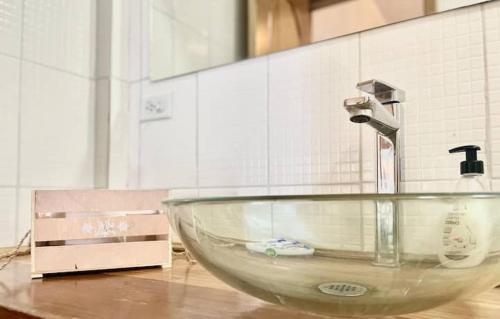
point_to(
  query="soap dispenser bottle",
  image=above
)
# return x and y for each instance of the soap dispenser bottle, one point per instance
(466, 232)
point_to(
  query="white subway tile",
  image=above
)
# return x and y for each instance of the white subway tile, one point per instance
(9, 109)
(168, 146)
(233, 125)
(441, 68)
(7, 217)
(57, 128)
(10, 26)
(492, 36)
(61, 34)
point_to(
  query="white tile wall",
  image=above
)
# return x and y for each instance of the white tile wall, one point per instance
(168, 147)
(10, 27)
(312, 140)
(9, 109)
(60, 34)
(233, 125)
(57, 128)
(47, 54)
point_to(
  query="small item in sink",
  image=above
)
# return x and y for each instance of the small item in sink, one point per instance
(281, 247)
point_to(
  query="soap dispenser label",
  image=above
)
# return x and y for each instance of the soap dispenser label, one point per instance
(459, 240)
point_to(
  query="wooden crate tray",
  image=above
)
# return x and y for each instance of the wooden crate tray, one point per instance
(98, 229)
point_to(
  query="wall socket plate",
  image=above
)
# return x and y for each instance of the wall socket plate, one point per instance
(157, 107)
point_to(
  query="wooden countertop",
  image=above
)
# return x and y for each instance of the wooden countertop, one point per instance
(185, 291)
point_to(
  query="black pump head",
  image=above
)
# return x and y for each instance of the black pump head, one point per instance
(471, 165)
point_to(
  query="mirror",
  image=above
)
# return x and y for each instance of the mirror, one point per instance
(191, 35)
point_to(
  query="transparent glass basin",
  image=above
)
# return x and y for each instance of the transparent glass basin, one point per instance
(334, 272)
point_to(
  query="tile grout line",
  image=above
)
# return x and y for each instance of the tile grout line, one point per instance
(19, 103)
(487, 101)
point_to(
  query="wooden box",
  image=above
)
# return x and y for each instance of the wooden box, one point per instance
(98, 229)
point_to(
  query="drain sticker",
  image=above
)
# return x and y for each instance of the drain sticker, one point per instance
(343, 289)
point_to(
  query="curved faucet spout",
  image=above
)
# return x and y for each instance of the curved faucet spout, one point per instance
(372, 112)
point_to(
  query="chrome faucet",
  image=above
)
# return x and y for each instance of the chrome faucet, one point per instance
(379, 109)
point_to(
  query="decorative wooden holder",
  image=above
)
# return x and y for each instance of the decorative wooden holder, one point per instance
(97, 230)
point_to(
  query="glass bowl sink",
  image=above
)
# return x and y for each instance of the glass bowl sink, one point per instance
(318, 253)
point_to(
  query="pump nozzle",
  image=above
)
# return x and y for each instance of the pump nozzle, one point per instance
(471, 164)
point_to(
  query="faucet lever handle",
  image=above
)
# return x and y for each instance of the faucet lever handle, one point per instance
(384, 92)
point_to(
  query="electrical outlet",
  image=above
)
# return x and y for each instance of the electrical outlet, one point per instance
(157, 107)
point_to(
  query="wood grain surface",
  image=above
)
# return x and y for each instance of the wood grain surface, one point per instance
(185, 291)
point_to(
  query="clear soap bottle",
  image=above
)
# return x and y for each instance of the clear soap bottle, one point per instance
(466, 234)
